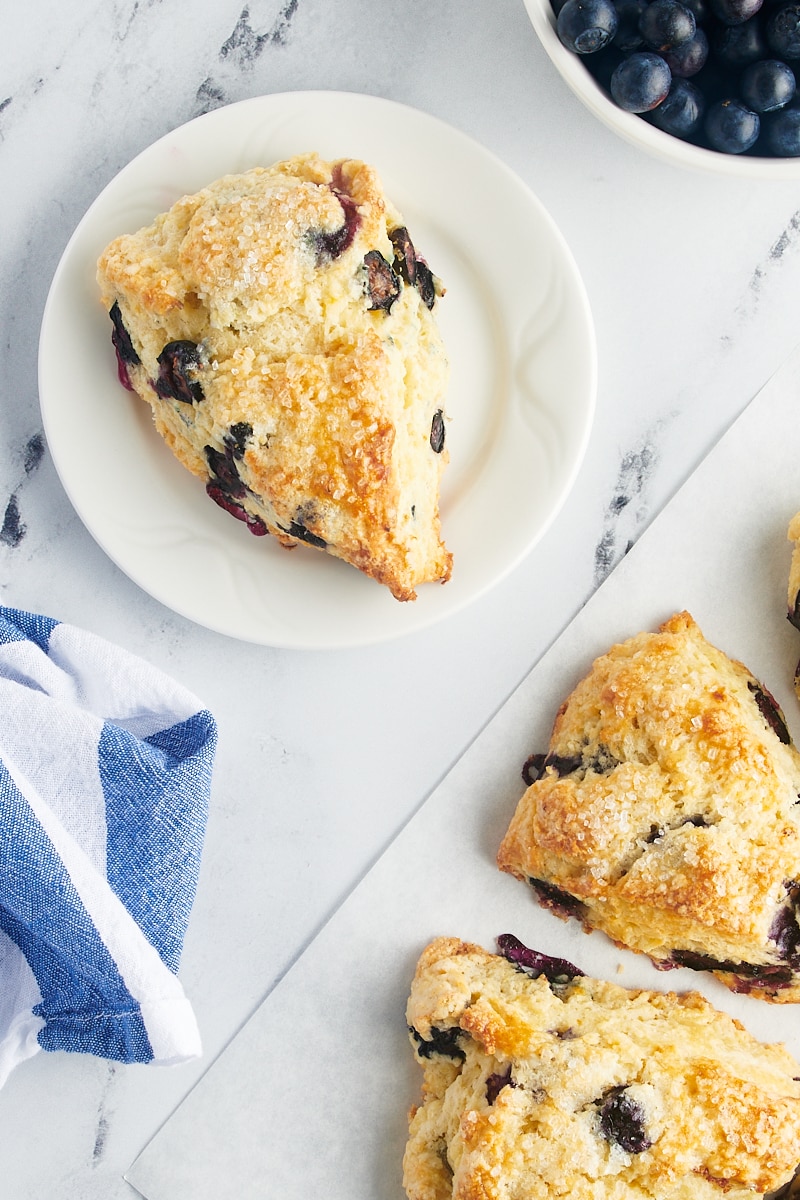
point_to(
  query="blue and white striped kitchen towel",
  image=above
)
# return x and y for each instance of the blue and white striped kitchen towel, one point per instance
(105, 772)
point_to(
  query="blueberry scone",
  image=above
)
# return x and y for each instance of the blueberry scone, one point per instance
(282, 327)
(666, 813)
(540, 1082)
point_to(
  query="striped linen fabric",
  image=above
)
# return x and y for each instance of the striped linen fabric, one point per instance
(105, 774)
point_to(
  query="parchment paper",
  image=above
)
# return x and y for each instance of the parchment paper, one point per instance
(310, 1099)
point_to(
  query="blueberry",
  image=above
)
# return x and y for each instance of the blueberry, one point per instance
(749, 976)
(640, 82)
(496, 1082)
(224, 500)
(585, 26)
(771, 711)
(563, 764)
(695, 961)
(665, 24)
(120, 337)
(783, 31)
(688, 58)
(425, 284)
(441, 1041)
(298, 529)
(405, 256)
(785, 931)
(329, 245)
(178, 362)
(412, 269)
(122, 372)
(237, 437)
(534, 963)
(628, 35)
(738, 55)
(602, 761)
(123, 348)
(738, 45)
(223, 468)
(532, 768)
(681, 114)
(437, 432)
(734, 12)
(701, 10)
(767, 85)
(657, 832)
(622, 1120)
(783, 139)
(731, 127)
(558, 901)
(382, 284)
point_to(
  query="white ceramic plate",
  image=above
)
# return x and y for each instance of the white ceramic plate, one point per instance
(639, 132)
(518, 330)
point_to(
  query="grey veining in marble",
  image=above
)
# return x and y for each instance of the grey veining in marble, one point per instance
(323, 757)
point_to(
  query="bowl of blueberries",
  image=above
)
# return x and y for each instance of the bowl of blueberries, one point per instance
(711, 84)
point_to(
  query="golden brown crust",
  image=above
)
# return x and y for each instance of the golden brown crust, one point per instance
(669, 812)
(334, 399)
(584, 1089)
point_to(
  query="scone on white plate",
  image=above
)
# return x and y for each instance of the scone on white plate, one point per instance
(282, 326)
(666, 812)
(540, 1083)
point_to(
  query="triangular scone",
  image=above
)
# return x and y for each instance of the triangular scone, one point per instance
(281, 326)
(542, 1083)
(666, 813)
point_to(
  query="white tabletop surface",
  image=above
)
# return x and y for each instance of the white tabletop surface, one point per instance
(324, 755)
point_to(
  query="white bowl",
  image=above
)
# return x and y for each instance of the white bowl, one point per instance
(638, 131)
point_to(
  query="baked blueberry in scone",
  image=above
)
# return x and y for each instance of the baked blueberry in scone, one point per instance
(666, 812)
(790, 1192)
(793, 597)
(282, 326)
(540, 1082)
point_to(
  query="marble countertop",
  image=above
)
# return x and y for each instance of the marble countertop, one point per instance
(324, 755)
